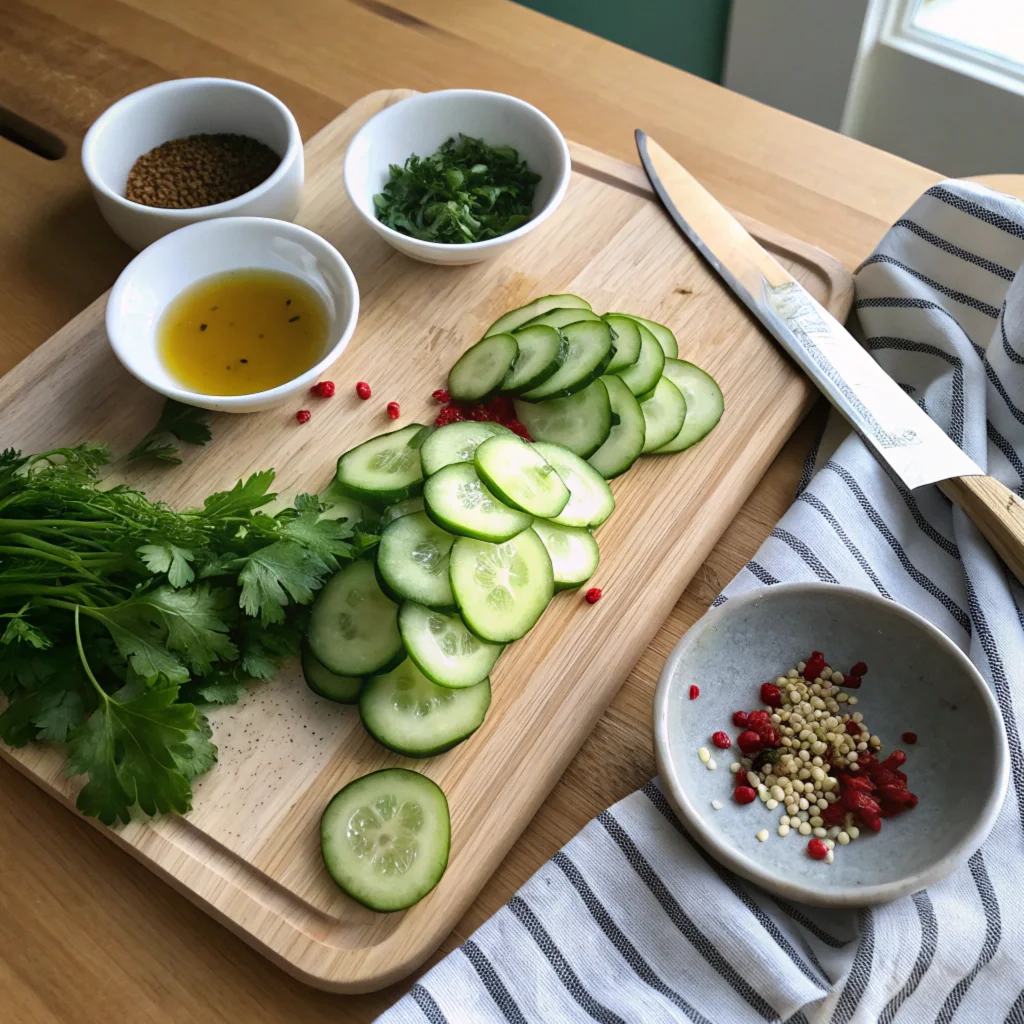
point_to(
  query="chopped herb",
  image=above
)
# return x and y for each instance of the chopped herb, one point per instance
(292, 319)
(465, 192)
(182, 421)
(202, 327)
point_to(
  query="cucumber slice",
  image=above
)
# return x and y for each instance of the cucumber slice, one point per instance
(459, 502)
(325, 683)
(443, 649)
(517, 317)
(353, 627)
(581, 422)
(664, 413)
(573, 552)
(412, 560)
(559, 318)
(590, 351)
(591, 500)
(479, 370)
(665, 338)
(407, 713)
(542, 350)
(627, 341)
(704, 403)
(399, 509)
(502, 589)
(385, 838)
(626, 440)
(644, 374)
(456, 442)
(520, 476)
(384, 469)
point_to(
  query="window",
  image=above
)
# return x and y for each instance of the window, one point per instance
(995, 27)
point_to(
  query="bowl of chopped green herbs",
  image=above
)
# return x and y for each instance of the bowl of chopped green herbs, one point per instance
(456, 176)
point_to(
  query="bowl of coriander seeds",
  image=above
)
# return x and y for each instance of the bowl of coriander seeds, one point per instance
(190, 150)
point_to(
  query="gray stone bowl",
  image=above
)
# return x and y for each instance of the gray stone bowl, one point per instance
(918, 680)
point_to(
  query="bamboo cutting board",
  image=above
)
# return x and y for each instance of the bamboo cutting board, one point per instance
(248, 853)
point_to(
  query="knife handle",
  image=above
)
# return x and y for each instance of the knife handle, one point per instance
(996, 511)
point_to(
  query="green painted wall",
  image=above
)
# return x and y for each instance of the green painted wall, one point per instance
(687, 33)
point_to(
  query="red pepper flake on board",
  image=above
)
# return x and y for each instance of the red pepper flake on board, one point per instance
(303, 415)
(363, 390)
(394, 410)
(325, 389)
(694, 692)
(449, 414)
(441, 396)
(593, 595)
(909, 737)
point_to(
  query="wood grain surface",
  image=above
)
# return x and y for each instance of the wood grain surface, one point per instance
(249, 849)
(88, 935)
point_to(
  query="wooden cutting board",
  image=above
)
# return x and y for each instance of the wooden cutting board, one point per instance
(248, 853)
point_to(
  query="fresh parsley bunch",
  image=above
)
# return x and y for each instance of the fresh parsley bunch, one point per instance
(119, 615)
(465, 192)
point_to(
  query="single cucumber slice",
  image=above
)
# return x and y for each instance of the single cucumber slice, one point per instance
(502, 589)
(520, 476)
(412, 559)
(627, 341)
(399, 509)
(443, 648)
(590, 350)
(353, 627)
(581, 422)
(591, 500)
(407, 713)
(665, 338)
(664, 413)
(456, 442)
(517, 317)
(626, 440)
(479, 370)
(459, 502)
(643, 375)
(384, 469)
(573, 552)
(704, 403)
(542, 350)
(559, 318)
(385, 838)
(325, 683)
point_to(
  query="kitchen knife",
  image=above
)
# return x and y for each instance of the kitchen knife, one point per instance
(903, 437)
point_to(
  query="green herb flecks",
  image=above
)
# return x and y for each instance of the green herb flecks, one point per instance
(465, 192)
(120, 617)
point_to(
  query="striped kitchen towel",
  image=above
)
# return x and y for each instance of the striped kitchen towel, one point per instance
(632, 921)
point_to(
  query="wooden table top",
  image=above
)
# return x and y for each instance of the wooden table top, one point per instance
(88, 934)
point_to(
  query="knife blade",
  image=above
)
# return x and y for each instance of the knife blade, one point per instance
(901, 435)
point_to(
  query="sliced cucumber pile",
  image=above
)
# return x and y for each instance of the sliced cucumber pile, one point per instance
(627, 341)
(444, 650)
(665, 338)
(520, 476)
(456, 442)
(704, 404)
(399, 509)
(542, 350)
(384, 469)
(502, 589)
(517, 317)
(480, 370)
(573, 552)
(407, 713)
(581, 422)
(325, 683)
(643, 375)
(459, 502)
(559, 318)
(625, 440)
(589, 352)
(385, 838)
(591, 500)
(664, 411)
(412, 561)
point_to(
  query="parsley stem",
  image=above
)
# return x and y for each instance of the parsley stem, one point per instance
(46, 556)
(85, 662)
(40, 590)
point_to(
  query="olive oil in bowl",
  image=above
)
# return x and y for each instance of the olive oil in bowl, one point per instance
(242, 332)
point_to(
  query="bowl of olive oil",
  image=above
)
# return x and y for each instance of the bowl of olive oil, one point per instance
(234, 315)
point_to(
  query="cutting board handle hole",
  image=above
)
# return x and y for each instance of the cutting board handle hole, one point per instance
(32, 137)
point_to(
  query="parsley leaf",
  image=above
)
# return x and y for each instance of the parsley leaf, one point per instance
(166, 557)
(274, 573)
(179, 420)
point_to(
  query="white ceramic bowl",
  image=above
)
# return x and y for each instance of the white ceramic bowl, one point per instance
(918, 680)
(420, 124)
(161, 272)
(189, 106)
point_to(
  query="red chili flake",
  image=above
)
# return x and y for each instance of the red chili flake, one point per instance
(303, 415)
(771, 695)
(815, 665)
(479, 413)
(721, 739)
(441, 396)
(851, 682)
(449, 414)
(517, 428)
(394, 410)
(860, 669)
(817, 849)
(740, 719)
(501, 408)
(909, 737)
(694, 692)
(325, 389)
(593, 595)
(744, 795)
(749, 742)
(363, 390)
